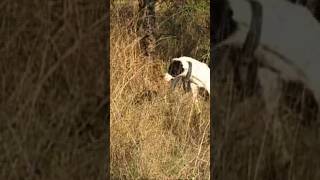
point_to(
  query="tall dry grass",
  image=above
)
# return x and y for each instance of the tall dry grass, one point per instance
(51, 93)
(155, 133)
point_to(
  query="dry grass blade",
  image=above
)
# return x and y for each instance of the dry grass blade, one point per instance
(155, 133)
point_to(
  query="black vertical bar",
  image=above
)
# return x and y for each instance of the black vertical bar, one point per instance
(212, 100)
(106, 118)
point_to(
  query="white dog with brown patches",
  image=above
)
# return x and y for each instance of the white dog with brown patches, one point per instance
(193, 73)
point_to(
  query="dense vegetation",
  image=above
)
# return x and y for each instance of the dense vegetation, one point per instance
(157, 134)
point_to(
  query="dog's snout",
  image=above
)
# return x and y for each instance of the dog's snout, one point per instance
(167, 77)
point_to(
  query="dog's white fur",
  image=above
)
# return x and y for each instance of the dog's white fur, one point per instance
(200, 74)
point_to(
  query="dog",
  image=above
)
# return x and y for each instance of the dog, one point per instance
(280, 44)
(285, 47)
(194, 74)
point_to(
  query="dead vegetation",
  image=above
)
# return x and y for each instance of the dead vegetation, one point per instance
(155, 134)
(51, 92)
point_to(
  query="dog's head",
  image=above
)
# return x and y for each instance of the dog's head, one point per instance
(177, 68)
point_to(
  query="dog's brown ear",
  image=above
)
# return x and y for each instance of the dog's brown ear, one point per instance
(253, 38)
(189, 71)
(186, 85)
(174, 82)
(186, 80)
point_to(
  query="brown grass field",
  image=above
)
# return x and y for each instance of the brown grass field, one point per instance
(52, 102)
(51, 94)
(155, 133)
